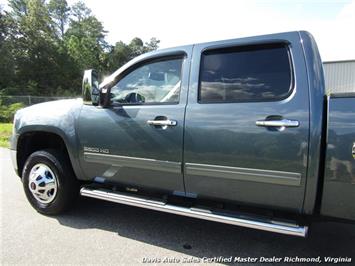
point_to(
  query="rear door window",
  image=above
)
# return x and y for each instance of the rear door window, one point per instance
(243, 74)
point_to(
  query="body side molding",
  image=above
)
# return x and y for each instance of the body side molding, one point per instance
(124, 161)
(244, 174)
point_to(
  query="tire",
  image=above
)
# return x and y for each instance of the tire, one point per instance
(49, 182)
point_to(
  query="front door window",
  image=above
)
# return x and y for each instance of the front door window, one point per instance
(152, 83)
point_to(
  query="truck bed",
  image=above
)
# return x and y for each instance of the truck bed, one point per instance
(338, 199)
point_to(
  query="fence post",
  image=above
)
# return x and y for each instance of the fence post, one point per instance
(29, 99)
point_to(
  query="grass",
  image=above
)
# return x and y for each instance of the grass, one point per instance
(5, 133)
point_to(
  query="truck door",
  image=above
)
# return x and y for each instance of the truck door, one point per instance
(138, 140)
(247, 122)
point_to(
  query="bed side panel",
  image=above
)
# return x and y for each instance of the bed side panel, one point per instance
(338, 198)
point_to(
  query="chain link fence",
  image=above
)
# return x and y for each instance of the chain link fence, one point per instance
(10, 104)
(28, 100)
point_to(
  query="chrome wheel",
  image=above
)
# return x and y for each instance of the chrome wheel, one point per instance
(42, 183)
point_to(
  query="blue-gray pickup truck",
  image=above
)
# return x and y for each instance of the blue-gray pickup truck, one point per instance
(237, 131)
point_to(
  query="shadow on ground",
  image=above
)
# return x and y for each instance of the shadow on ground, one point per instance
(208, 239)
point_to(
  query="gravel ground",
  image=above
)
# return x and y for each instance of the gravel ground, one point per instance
(98, 232)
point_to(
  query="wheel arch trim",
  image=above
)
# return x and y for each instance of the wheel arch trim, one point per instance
(69, 143)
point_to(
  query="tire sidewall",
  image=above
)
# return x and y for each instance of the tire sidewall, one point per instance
(55, 165)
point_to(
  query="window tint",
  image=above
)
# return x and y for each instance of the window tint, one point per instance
(254, 73)
(154, 82)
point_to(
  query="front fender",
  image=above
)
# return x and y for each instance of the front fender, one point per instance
(59, 117)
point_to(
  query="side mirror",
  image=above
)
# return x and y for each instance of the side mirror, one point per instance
(90, 87)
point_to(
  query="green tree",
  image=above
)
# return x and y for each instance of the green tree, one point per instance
(85, 39)
(33, 43)
(45, 45)
(121, 53)
(59, 11)
(152, 45)
(19, 8)
(136, 46)
(7, 65)
(80, 11)
(117, 56)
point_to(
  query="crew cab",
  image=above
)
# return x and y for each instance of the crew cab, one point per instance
(237, 131)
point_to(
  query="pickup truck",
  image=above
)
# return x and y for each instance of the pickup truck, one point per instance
(237, 131)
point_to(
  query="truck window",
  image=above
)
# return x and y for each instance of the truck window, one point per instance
(242, 74)
(151, 83)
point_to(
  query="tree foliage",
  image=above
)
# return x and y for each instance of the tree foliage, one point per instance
(45, 45)
(59, 12)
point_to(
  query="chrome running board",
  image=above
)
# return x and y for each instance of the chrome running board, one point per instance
(239, 220)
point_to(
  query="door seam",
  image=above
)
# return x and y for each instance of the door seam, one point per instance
(184, 122)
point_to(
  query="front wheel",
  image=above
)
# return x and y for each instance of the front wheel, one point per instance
(49, 182)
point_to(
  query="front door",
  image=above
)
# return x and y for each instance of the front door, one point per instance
(138, 140)
(247, 122)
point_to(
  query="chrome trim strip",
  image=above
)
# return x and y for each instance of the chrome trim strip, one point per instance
(266, 225)
(244, 174)
(134, 162)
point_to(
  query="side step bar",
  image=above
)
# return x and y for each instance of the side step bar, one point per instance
(240, 220)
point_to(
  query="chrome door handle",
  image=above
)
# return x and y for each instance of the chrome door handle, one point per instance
(163, 123)
(277, 123)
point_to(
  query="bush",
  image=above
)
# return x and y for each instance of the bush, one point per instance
(7, 112)
(5, 133)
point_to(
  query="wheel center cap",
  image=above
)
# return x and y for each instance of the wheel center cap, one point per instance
(42, 183)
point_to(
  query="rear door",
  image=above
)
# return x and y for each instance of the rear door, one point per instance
(247, 122)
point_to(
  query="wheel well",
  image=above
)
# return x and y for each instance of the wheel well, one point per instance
(30, 142)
